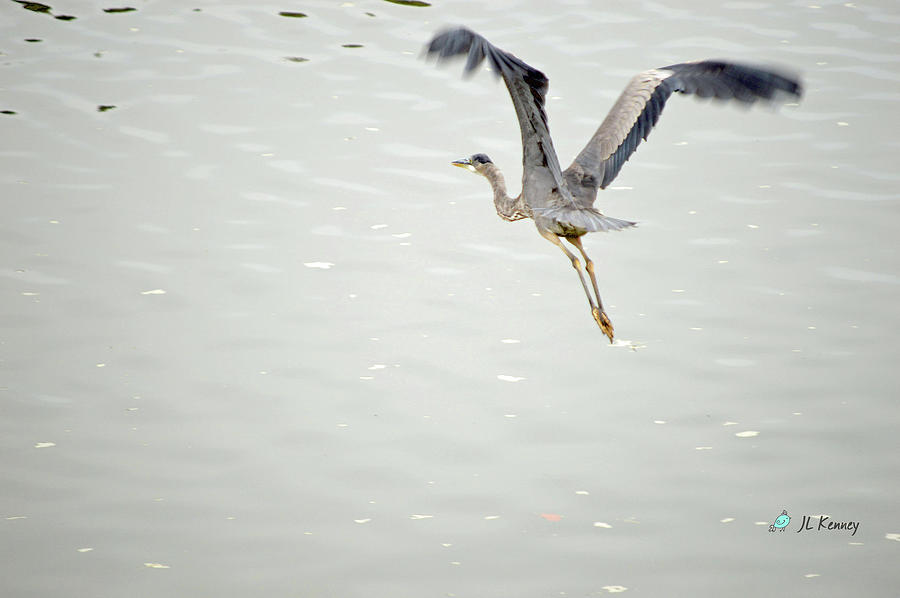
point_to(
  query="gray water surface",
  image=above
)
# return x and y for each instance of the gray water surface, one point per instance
(260, 339)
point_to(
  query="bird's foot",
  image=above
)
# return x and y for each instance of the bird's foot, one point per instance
(603, 322)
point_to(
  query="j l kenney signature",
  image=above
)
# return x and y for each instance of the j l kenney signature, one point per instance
(825, 523)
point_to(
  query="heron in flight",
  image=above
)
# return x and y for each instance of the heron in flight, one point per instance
(561, 202)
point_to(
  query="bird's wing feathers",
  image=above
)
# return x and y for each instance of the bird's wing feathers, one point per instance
(638, 108)
(527, 87)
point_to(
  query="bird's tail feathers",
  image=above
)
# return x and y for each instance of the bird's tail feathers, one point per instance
(580, 220)
(608, 223)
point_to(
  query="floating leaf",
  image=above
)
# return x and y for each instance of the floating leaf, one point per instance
(551, 516)
(408, 2)
(292, 15)
(34, 6)
(115, 10)
(105, 107)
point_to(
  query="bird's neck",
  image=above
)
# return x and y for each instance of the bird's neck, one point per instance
(508, 208)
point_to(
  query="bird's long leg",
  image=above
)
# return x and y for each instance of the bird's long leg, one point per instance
(597, 311)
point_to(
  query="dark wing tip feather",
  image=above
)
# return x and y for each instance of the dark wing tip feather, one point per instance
(455, 41)
(728, 80)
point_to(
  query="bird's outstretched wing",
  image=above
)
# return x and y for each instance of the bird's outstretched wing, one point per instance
(527, 86)
(638, 108)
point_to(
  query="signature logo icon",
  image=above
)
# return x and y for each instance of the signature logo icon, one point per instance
(780, 522)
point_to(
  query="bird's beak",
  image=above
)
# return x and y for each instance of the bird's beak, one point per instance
(464, 163)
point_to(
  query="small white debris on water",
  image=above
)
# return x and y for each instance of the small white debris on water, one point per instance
(319, 265)
(602, 524)
(747, 434)
(506, 378)
(154, 292)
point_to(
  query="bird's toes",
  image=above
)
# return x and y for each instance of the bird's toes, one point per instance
(603, 322)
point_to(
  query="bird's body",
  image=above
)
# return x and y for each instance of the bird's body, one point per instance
(561, 202)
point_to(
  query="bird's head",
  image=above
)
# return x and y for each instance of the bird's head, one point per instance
(475, 164)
